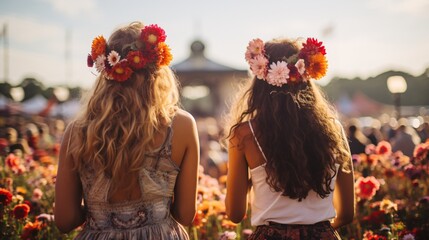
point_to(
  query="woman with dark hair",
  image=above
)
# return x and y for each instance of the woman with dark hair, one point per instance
(132, 155)
(284, 132)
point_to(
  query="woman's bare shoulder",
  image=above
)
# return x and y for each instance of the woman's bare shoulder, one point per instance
(183, 119)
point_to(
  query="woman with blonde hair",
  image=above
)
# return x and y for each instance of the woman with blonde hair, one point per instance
(285, 143)
(132, 155)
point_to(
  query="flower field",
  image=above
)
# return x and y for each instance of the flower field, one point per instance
(391, 192)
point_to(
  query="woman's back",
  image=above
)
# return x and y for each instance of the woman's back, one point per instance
(146, 217)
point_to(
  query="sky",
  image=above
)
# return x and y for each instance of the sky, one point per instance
(363, 38)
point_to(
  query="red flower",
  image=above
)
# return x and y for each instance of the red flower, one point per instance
(31, 230)
(377, 217)
(151, 55)
(5, 197)
(369, 235)
(153, 34)
(366, 187)
(89, 61)
(136, 60)
(383, 148)
(311, 47)
(121, 71)
(21, 211)
(421, 151)
(3, 144)
(12, 161)
(293, 73)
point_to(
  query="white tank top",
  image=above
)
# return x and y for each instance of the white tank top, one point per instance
(270, 206)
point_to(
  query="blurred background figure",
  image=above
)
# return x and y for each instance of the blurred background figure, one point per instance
(357, 139)
(423, 131)
(373, 132)
(405, 138)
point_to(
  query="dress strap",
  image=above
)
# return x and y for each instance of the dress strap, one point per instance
(167, 143)
(254, 136)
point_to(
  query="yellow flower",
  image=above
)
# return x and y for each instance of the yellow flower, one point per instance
(388, 205)
(21, 190)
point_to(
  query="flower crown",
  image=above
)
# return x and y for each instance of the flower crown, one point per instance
(309, 63)
(149, 50)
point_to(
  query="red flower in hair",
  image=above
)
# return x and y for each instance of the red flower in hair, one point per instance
(5, 197)
(153, 34)
(21, 211)
(136, 60)
(383, 148)
(121, 71)
(150, 54)
(89, 61)
(293, 73)
(311, 47)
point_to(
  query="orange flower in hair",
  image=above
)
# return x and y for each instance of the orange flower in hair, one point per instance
(317, 66)
(164, 54)
(98, 47)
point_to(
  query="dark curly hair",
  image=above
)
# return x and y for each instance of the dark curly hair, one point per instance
(296, 128)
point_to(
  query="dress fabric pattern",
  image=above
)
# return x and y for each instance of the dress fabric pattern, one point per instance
(146, 218)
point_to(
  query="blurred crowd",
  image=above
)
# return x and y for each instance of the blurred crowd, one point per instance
(33, 134)
(403, 134)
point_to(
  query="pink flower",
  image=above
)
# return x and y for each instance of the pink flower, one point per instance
(421, 151)
(255, 47)
(383, 148)
(366, 187)
(113, 58)
(300, 65)
(100, 63)
(370, 149)
(408, 236)
(12, 161)
(278, 73)
(37, 194)
(258, 65)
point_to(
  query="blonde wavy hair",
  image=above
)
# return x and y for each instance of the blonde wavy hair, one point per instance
(120, 119)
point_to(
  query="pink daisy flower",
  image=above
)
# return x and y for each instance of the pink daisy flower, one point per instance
(258, 65)
(255, 47)
(113, 58)
(278, 73)
(100, 63)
